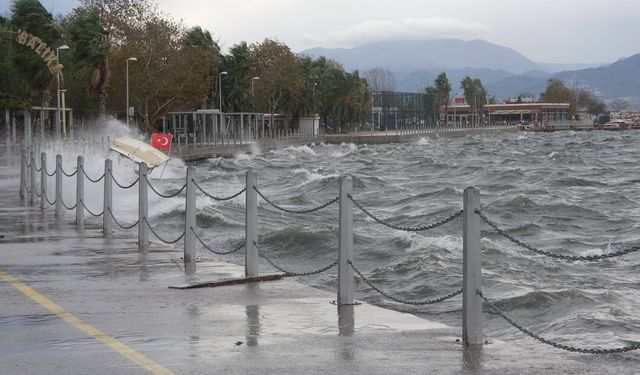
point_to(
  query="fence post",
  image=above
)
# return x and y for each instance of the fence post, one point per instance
(32, 178)
(471, 257)
(107, 221)
(80, 195)
(251, 226)
(190, 223)
(143, 208)
(43, 181)
(23, 174)
(345, 272)
(59, 189)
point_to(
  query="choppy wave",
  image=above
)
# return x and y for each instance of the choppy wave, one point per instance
(571, 192)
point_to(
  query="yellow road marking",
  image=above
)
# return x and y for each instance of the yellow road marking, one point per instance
(124, 350)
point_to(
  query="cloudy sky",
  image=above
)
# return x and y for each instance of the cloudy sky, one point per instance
(571, 31)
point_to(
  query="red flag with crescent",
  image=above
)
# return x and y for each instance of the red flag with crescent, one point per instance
(161, 141)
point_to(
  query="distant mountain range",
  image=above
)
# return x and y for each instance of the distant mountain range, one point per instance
(503, 71)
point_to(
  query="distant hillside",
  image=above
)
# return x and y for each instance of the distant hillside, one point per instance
(443, 54)
(620, 79)
(503, 71)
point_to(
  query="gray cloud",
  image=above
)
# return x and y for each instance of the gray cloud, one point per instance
(398, 29)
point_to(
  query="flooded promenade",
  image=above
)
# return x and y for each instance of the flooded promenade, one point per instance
(81, 304)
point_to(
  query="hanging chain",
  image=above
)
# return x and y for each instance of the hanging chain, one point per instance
(122, 186)
(120, 225)
(551, 343)
(215, 251)
(303, 211)
(406, 229)
(289, 273)
(47, 173)
(90, 179)
(218, 198)
(33, 162)
(589, 258)
(168, 242)
(164, 195)
(89, 211)
(399, 300)
(68, 174)
(65, 206)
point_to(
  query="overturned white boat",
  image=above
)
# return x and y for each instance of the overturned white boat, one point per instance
(139, 152)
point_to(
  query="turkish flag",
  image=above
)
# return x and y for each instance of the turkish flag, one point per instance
(161, 141)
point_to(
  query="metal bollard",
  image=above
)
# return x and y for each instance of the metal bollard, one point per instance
(472, 272)
(143, 208)
(251, 226)
(43, 181)
(59, 190)
(80, 195)
(107, 221)
(32, 178)
(345, 272)
(23, 175)
(190, 223)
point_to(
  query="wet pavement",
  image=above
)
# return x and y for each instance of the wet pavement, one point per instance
(73, 304)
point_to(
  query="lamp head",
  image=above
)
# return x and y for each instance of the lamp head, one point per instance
(132, 59)
(64, 46)
(223, 73)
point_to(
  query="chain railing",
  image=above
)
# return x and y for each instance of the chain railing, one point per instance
(401, 228)
(168, 242)
(588, 258)
(218, 198)
(400, 300)
(291, 273)
(501, 314)
(164, 195)
(125, 227)
(242, 245)
(303, 211)
(472, 215)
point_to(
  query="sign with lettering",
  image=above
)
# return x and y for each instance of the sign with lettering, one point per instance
(47, 54)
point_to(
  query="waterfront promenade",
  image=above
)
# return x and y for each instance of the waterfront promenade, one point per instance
(80, 304)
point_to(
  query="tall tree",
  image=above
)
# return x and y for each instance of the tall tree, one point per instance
(441, 90)
(474, 93)
(380, 79)
(274, 62)
(557, 92)
(91, 52)
(32, 17)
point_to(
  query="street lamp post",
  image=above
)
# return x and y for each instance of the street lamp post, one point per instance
(313, 103)
(127, 78)
(255, 115)
(220, 88)
(253, 80)
(62, 47)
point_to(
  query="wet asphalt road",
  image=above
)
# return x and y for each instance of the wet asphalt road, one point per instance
(279, 327)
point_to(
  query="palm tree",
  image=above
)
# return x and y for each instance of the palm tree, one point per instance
(91, 50)
(31, 16)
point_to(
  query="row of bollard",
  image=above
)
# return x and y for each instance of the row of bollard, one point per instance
(472, 302)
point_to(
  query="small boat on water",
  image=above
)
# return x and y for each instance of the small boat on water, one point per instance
(616, 124)
(139, 151)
